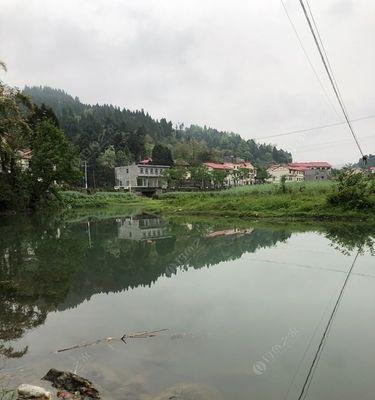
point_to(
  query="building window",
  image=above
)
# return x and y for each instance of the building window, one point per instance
(127, 170)
(141, 170)
(151, 170)
(156, 170)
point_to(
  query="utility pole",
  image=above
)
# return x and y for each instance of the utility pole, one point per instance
(85, 165)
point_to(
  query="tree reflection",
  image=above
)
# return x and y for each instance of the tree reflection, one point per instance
(49, 265)
(352, 237)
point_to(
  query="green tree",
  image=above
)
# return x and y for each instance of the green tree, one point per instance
(283, 187)
(136, 143)
(108, 157)
(354, 190)
(42, 113)
(262, 174)
(175, 176)
(53, 162)
(15, 134)
(200, 176)
(161, 155)
(218, 177)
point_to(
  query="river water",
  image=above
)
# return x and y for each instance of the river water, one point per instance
(245, 305)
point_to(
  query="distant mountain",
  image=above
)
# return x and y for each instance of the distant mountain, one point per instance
(109, 135)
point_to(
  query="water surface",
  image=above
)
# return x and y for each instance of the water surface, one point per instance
(245, 306)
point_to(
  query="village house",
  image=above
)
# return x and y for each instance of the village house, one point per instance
(299, 171)
(140, 176)
(292, 174)
(316, 170)
(238, 174)
(23, 159)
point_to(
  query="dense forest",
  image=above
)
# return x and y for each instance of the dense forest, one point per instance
(108, 136)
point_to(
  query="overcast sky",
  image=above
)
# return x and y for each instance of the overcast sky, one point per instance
(234, 65)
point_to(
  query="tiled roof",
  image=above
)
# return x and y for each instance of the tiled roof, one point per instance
(227, 166)
(276, 166)
(312, 164)
(218, 166)
(297, 168)
(145, 161)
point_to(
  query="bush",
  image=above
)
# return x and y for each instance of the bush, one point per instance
(354, 190)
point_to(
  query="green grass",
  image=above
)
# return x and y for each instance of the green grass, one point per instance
(97, 200)
(300, 201)
(240, 191)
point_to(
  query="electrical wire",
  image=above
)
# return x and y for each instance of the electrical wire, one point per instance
(308, 59)
(310, 375)
(313, 128)
(324, 57)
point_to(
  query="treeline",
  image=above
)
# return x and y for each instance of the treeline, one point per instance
(108, 136)
(35, 157)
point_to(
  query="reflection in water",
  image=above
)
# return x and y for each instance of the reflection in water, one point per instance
(141, 227)
(54, 266)
(51, 267)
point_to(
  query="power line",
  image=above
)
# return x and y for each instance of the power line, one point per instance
(324, 57)
(308, 59)
(331, 143)
(313, 128)
(318, 353)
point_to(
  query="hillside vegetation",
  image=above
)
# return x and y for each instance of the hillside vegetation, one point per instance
(108, 136)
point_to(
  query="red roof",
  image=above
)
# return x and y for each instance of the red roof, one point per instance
(226, 166)
(297, 168)
(218, 166)
(312, 164)
(145, 161)
(245, 164)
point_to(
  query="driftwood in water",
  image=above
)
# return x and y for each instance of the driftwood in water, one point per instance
(137, 335)
(72, 383)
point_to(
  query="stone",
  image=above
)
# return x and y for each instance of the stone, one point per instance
(72, 383)
(33, 392)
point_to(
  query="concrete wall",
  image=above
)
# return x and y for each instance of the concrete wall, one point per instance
(317, 174)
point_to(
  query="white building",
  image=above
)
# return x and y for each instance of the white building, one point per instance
(140, 176)
(292, 174)
(238, 174)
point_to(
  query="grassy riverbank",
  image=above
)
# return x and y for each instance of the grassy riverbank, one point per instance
(300, 200)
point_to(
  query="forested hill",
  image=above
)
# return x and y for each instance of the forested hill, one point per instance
(134, 133)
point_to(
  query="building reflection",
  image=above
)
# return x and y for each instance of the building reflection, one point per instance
(142, 227)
